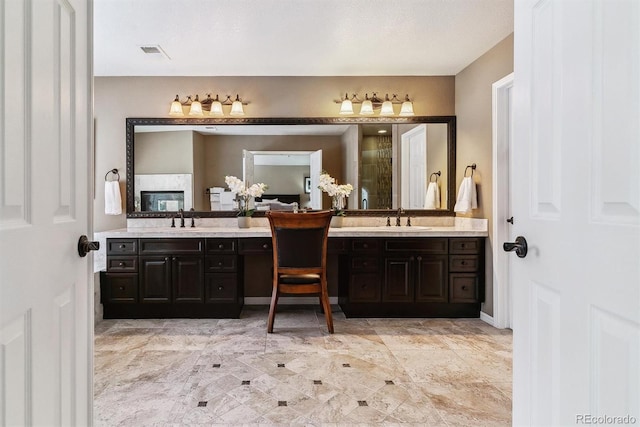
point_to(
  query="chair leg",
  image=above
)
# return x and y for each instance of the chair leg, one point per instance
(324, 299)
(272, 309)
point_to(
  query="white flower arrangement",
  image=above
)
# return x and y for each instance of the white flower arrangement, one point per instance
(338, 192)
(244, 193)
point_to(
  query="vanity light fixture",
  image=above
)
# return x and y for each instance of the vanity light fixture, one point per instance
(370, 104)
(209, 106)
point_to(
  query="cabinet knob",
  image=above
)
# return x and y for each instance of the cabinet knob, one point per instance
(365, 245)
(220, 288)
(364, 286)
(462, 245)
(463, 262)
(265, 246)
(365, 263)
(122, 246)
(121, 264)
(464, 287)
(419, 258)
(220, 246)
(121, 288)
(220, 263)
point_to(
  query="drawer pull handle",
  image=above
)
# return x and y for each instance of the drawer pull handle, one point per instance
(121, 288)
(220, 288)
(121, 264)
(220, 246)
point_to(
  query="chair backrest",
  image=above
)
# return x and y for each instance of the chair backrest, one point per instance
(299, 239)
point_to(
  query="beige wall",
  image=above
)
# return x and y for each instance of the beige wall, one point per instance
(164, 152)
(116, 98)
(474, 135)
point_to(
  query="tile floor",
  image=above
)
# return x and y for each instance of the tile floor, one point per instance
(387, 372)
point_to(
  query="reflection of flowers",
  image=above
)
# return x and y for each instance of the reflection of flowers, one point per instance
(244, 193)
(337, 192)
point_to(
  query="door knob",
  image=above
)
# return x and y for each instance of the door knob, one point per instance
(85, 246)
(519, 246)
(510, 220)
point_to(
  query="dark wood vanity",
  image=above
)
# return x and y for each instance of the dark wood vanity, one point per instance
(377, 276)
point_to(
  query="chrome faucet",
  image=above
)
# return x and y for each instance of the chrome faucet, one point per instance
(398, 215)
(181, 215)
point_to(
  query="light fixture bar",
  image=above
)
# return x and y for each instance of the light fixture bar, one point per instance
(369, 104)
(210, 106)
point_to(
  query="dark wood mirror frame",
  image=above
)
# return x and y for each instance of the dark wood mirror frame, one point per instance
(451, 155)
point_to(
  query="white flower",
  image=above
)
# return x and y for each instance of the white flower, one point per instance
(243, 193)
(329, 186)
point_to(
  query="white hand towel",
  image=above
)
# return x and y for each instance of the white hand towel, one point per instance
(432, 199)
(112, 198)
(467, 197)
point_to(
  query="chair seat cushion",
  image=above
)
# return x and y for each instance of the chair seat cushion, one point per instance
(291, 279)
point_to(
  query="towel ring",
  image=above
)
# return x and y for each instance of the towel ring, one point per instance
(472, 166)
(437, 175)
(113, 171)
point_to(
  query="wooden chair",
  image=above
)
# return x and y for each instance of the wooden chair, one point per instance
(300, 258)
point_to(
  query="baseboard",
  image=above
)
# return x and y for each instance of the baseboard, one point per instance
(486, 318)
(287, 300)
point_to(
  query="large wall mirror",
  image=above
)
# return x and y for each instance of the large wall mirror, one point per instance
(406, 162)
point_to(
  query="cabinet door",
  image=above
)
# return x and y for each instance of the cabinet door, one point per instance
(155, 279)
(119, 288)
(188, 279)
(431, 278)
(398, 279)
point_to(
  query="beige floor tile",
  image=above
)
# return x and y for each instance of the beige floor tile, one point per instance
(387, 372)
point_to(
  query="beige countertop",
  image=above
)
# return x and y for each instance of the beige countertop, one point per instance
(463, 227)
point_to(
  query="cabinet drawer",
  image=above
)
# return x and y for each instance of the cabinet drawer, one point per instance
(256, 245)
(465, 246)
(122, 264)
(364, 287)
(122, 246)
(364, 263)
(336, 245)
(425, 245)
(221, 245)
(120, 288)
(221, 263)
(365, 245)
(171, 246)
(221, 287)
(463, 287)
(464, 263)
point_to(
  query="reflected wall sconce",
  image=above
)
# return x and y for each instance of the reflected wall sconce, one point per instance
(209, 106)
(368, 105)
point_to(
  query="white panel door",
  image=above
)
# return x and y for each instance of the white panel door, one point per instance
(576, 200)
(46, 292)
(414, 169)
(315, 169)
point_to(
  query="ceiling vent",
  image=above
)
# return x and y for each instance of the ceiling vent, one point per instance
(154, 49)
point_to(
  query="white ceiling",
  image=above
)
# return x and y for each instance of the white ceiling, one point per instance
(295, 37)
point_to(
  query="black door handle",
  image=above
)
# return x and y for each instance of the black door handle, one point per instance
(510, 220)
(85, 246)
(520, 246)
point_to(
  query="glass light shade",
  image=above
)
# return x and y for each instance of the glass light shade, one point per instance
(236, 108)
(176, 108)
(367, 107)
(216, 109)
(346, 107)
(196, 108)
(406, 109)
(387, 109)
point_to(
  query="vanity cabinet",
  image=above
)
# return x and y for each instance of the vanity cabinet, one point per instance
(175, 277)
(421, 277)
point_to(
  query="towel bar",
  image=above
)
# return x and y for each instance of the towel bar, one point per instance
(472, 166)
(113, 171)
